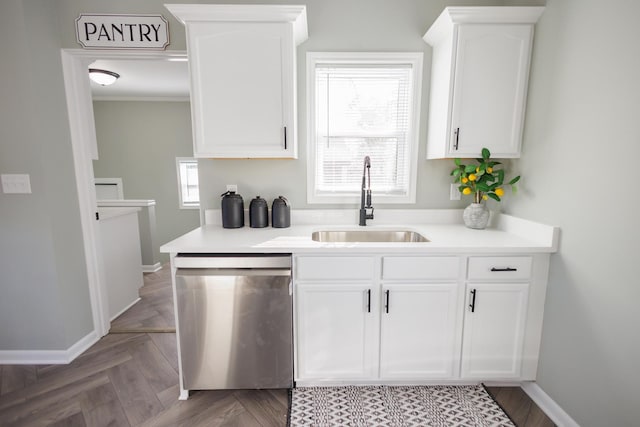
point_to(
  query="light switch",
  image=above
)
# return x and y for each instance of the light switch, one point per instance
(16, 183)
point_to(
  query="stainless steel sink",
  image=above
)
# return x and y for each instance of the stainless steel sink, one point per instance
(390, 236)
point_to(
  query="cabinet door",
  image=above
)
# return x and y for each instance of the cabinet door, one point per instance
(418, 331)
(242, 89)
(335, 331)
(494, 330)
(489, 89)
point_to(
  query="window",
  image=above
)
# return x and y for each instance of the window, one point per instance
(188, 190)
(363, 104)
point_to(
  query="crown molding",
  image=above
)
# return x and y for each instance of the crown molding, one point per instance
(293, 14)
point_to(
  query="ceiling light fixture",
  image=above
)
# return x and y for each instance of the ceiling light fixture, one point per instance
(103, 77)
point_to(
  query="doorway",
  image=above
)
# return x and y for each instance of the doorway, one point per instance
(85, 150)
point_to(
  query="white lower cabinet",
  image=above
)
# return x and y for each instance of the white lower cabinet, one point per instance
(417, 331)
(399, 319)
(494, 328)
(336, 331)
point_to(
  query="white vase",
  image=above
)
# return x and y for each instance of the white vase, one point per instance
(476, 216)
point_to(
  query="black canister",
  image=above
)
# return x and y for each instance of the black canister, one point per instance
(232, 210)
(280, 213)
(258, 213)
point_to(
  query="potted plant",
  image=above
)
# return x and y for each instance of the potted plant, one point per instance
(484, 180)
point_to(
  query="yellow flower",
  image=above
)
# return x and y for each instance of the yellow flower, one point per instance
(485, 197)
(499, 192)
(466, 191)
(478, 169)
(472, 177)
(489, 169)
(465, 180)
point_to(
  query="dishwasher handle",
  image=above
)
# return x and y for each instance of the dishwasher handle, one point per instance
(234, 272)
(254, 261)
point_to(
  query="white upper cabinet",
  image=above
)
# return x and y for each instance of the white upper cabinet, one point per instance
(242, 63)
(479, 76)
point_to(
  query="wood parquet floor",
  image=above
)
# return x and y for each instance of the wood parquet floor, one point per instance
(127, 380)
(154, 311)
(131, 379)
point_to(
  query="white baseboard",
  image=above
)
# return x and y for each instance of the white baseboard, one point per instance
(502, 383)
(548, 405)
(151, 268)
(48, 357)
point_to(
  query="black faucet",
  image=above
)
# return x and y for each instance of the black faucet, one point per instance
(365, 195)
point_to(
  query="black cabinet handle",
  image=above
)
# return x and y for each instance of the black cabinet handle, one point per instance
(472, 306)
(368, 300)
(285, 137)
(457, 133)
(503, 269)
(386, 304)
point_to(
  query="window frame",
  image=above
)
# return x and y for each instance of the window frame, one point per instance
(181, 202)
(415, 59)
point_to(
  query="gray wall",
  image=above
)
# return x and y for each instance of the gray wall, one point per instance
(45, 299)
(579, 165)
(139, 142)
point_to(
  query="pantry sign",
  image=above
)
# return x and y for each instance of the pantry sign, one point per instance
(109, 31)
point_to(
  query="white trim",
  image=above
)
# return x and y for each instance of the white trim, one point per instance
(294, 14)
(502, 383)
(413, 58)
(48, 357)
(141, 98)
(91, 55)
(151, 268)
(84, 147)
(181, 204)
(75, 63)
(558, 415)
(495, 14)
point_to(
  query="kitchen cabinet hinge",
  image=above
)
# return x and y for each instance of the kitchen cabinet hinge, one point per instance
(97, 216)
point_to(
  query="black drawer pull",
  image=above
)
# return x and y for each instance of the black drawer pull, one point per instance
(472, 306)
(285, 137)
(368, 300)
(503, 269)
(386, 305)
(457, 134)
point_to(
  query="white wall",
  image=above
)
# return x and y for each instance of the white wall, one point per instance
(579, 169)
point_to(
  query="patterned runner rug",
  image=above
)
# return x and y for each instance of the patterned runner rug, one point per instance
(436, 406)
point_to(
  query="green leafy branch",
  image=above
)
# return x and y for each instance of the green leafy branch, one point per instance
(484, 180)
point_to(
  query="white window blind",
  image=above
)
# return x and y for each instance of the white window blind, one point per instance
(188, 187)
(363, 109)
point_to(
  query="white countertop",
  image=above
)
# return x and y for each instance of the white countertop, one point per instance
(508, 234)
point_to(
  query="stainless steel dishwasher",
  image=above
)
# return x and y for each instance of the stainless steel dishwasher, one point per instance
(234, 320)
